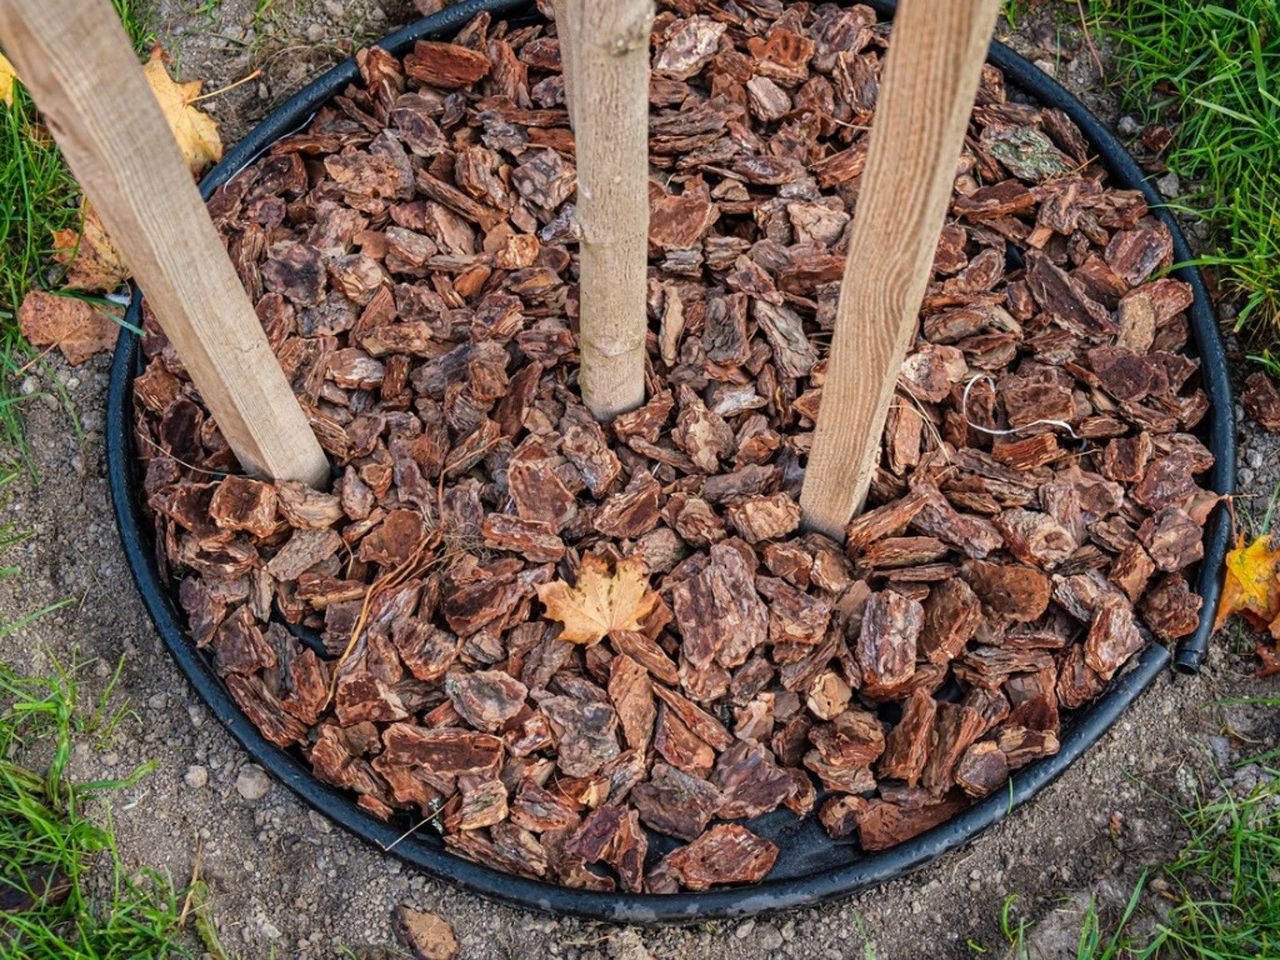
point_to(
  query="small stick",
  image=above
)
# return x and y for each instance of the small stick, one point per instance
(74, 57)
(605, 56)
(926, 95)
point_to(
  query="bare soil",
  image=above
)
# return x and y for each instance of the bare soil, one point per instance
(282, 878)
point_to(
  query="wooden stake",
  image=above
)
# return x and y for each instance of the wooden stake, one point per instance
(605, 55)
(75, 58)
(930, 79)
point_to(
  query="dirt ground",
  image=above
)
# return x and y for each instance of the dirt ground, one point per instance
(287, 883)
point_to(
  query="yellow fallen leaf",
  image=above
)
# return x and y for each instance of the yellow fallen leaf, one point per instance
(196, 132)
(92, 260)
(8, 77)
(1250, 585)
(70, 324)
(599, 603)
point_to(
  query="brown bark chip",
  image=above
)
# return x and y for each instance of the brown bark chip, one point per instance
(727, 853)
(891, 625)
(427, 935)
(1011, 590)
(673, 802)
(1261, 401)
(719, 613)
(486, 699)
(445, 65)
(952, 615)
(911, 741)
(1113, 638)
(565, 639)
(632, 694)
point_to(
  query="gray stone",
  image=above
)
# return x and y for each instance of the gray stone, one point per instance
(627, 944)
(196, 776)
(253, 782)
(770, 937)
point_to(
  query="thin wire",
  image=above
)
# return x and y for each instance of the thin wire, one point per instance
(964, 412)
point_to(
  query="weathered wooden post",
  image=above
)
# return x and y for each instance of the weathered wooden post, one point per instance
(75, 58)
(926, 95)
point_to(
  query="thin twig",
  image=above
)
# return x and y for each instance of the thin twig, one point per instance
(230, 86)
(190, 466)
(191, 887)
(1088, 39)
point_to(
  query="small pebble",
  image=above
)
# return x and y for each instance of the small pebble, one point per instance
(196, 776)
(1168, 185)
(253, 782)
(627, 944)
(1127, 125)
(1254, 459)
(315, 32)
(770, 937)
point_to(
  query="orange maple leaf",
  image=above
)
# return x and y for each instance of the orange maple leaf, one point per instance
(7, 81)
(195, 131)
(1250, 587)
(92, 260)
(599, 603)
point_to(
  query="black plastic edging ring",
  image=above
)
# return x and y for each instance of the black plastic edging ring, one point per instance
(856, 870)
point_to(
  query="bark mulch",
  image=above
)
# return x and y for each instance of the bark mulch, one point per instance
(555, 637)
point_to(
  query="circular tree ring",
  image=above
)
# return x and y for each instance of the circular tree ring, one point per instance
(811, 867)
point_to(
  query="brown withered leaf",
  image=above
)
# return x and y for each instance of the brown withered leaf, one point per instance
(600, 602)
(68, 323)
(91, 259)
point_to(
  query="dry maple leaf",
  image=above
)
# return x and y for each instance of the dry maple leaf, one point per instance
(599, 603)
(91, 259)
(7, 79)
(72, 325)
(1250, 587)
(196, 132)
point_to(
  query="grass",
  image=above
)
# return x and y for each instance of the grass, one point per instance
(52, 850)
(64, 892)
(1214, 69)
(1221, 891)
(37, 196)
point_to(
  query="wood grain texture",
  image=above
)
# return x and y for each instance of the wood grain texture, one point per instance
(76, 61)
(931, 74)
(605, 53)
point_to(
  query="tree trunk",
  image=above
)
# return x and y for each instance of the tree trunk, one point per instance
(605, 55)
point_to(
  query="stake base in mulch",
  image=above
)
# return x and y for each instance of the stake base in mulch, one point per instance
(810, 867)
